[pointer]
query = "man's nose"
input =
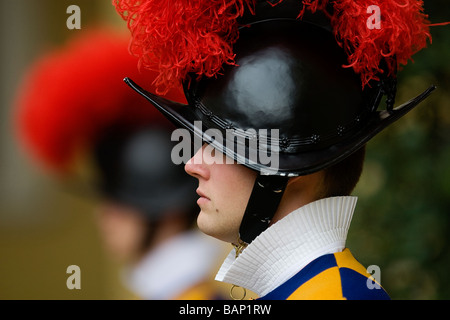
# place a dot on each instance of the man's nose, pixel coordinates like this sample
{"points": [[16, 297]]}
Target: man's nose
{"points": [[196, 165]]}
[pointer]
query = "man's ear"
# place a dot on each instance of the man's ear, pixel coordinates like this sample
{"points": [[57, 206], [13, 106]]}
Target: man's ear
{"points": [[312, 184], [300, 191], [293, 180]]}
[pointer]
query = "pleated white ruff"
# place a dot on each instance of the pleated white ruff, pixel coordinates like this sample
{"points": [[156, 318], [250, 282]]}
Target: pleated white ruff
{"points": [[287, 246]]}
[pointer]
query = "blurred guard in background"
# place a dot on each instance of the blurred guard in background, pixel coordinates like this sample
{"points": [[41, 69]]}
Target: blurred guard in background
{"points": [[73, 109]]}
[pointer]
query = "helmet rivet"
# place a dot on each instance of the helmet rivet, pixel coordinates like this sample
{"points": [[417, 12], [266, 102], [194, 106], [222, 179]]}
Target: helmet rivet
{"points": [[284, 143], [315, 138], [229, 126]]}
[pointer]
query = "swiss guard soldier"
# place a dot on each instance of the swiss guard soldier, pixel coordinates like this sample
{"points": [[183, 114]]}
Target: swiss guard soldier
{"points": [[285, 95], [74, 111]]}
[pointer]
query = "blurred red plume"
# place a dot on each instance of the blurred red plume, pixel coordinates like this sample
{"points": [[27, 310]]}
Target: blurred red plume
{"points": [[71, 95]]}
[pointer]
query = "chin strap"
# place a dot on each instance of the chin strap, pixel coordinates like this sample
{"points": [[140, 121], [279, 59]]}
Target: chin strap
{"points": [[262, 205]]}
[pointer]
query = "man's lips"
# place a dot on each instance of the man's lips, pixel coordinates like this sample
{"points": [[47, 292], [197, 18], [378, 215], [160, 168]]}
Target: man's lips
{"points": [[203, 198], [201, 194]]}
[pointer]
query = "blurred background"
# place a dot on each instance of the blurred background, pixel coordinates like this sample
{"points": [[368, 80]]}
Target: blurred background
{"points": [[402, 220], [401, 224], [44, 228]]}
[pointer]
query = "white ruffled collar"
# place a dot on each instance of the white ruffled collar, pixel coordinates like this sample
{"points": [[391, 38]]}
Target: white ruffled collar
{"points": [[288, 245]]}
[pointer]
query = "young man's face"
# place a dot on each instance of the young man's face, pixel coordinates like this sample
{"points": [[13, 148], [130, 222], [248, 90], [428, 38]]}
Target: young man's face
{"points": [[224, 189]]}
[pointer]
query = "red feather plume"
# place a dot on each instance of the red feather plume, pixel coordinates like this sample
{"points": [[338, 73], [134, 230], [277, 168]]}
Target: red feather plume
{"points": [[403, 31], [71, 95], [181, 36]]}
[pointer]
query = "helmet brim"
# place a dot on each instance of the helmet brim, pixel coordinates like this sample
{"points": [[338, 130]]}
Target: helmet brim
{"points": [[287, 164]]}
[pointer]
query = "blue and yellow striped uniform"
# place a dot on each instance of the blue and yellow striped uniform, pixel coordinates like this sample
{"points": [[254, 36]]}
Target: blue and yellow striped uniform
{"points": [[337, 276]]}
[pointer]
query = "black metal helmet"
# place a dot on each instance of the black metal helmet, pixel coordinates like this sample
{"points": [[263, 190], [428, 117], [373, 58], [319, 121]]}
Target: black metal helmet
{"points": [[288, 76]]}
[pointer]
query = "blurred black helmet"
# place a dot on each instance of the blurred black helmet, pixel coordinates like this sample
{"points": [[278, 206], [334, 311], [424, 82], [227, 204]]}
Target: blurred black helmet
{"points": [[136, 169]]}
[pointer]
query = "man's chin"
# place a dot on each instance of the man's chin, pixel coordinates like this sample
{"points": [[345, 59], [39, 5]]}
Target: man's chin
{"points": [[209, 229]]}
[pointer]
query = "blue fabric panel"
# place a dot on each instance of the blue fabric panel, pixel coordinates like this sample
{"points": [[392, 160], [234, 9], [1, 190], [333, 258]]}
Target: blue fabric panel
{"points": [[307, 273], [354, 287]]}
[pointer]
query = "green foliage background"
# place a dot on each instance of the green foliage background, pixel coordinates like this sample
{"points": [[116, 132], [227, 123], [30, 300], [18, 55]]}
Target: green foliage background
{"points": [[402, 221]]}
